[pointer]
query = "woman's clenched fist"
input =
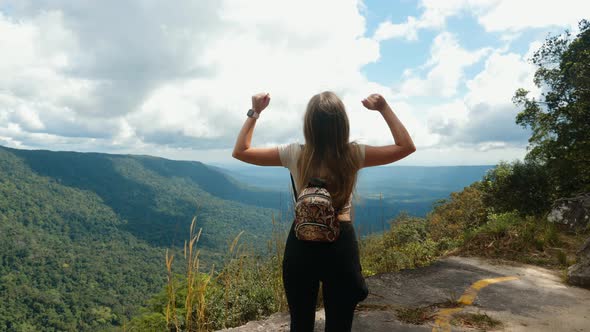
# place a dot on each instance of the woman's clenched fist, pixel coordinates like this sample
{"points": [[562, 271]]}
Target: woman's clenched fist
{"points": [[260, 101], [375, 102]]}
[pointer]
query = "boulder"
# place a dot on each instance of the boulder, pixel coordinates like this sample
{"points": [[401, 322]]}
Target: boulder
{"points": [[579, 273], [573, 212]]}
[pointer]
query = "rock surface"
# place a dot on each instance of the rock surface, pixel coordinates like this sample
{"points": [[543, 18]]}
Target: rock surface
{"points": [[537, 301], [579, 273], [571, 211]]}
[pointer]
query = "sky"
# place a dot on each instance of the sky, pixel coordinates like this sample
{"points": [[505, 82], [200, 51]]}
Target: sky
{"points": [[174, 78]]}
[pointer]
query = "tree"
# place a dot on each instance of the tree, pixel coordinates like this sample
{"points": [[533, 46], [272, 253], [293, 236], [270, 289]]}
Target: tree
{"points": [[521, 186], [560, 119]]}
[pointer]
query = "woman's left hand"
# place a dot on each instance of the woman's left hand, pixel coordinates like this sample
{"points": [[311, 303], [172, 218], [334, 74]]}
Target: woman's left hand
{"points": [[260, 101]]}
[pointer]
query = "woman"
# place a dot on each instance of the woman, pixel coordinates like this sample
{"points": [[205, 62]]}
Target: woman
{"points": [[329, 155]]}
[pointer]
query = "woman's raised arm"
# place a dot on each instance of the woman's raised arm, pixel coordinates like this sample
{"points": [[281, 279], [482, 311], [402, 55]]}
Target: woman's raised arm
{"points": [[404, 146], [243, 151]]}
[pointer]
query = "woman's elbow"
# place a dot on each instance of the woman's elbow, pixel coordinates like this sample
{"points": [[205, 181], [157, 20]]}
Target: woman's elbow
{"points": [[237, 155], [409, 150]]}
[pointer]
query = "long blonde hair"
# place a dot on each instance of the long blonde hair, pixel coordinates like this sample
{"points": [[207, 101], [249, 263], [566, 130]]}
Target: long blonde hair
{"points": [[326, 130]]}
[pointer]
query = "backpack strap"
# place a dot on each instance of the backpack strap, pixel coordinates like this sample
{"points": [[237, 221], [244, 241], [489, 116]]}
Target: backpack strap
{"points": [[293, 182], [336, 211], [294, 189]]}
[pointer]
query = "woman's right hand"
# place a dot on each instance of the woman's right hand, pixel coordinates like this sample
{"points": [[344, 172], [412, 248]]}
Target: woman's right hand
{"points": [[375, 102]]}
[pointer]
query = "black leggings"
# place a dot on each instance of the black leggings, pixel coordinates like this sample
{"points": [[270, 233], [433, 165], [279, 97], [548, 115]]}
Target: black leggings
{"points": [[337, 265]]}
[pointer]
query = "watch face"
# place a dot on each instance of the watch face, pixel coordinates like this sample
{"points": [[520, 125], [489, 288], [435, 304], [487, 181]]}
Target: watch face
{"points": [[251, 113]]}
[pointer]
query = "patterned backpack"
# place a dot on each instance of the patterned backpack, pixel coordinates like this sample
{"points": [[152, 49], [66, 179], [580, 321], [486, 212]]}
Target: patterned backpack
{"points": [[315, 217]]}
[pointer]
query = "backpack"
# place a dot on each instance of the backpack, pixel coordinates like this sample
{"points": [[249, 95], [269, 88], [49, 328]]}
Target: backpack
{"points": [[315, 217]]}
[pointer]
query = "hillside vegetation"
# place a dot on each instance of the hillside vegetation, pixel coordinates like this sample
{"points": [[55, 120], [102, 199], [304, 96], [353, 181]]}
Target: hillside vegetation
{"points": [[64, 263], [156, 198], [83, 235]]}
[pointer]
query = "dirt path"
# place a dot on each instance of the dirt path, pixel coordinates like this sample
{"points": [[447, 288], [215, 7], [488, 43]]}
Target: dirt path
{"points": [[521, 297]]}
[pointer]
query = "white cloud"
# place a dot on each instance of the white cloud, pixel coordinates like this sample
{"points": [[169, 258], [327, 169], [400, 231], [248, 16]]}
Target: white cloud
{"points": [[448, 118], [446, 66], [109, 74], [503, 74], [389, 30], [147, 77], [484, 117], [28, 119], [434, 16], [458, 154], [494, 15], [526, 14]]}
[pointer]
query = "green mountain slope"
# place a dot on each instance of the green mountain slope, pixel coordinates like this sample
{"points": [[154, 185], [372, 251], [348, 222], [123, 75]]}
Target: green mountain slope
{"points": [[82, 235], [64, 263], [157, 197]]}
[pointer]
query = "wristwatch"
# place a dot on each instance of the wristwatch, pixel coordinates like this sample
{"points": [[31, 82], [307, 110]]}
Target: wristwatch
{"points": [[253, 114]]}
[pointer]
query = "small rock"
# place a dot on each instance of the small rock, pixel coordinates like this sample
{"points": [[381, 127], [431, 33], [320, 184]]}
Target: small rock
{"points": [[571, 211], [579, 274]]}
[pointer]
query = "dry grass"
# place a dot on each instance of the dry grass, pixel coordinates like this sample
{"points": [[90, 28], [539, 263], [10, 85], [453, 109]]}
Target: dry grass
{"points": [[423, 314], [213, 299], [475, 320], [196, 287], [171, 317], [416, 316]]}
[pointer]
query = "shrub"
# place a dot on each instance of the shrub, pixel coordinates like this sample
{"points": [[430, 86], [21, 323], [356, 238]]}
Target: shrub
{"points": [[405, 245], [509, 235], [464, 210]]}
